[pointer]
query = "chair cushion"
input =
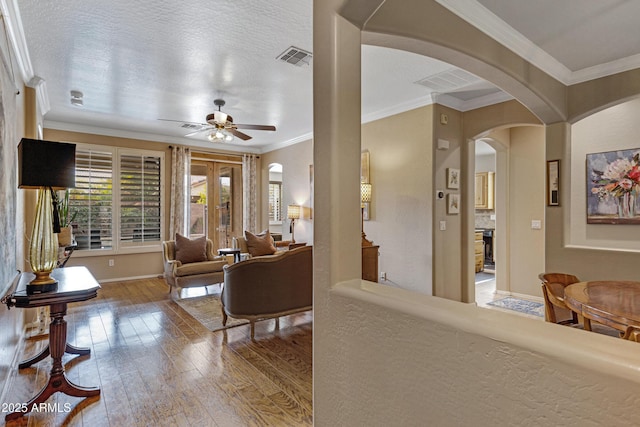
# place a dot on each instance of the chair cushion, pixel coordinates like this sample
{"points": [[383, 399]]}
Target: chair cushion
{"points": [[191, 250], [260, 244], [200, 268]]}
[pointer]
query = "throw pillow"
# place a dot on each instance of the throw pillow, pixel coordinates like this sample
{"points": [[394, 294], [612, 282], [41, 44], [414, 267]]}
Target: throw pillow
{"points": [[259, 244], [191, 250]]}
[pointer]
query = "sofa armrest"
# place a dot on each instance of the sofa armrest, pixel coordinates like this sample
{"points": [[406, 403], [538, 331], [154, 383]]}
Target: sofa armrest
{"points": [[171, 266]]}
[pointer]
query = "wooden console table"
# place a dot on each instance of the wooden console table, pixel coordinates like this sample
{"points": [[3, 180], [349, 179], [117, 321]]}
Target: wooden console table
{"points": [[370, 263], [74, 284]]}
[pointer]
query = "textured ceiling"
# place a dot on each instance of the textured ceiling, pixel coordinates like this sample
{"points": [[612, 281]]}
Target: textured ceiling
{"points": [[140, 61]]}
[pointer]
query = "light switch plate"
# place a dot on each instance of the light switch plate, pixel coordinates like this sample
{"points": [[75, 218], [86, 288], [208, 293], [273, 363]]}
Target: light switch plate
{"points": [[536, 224], [443, 225]]}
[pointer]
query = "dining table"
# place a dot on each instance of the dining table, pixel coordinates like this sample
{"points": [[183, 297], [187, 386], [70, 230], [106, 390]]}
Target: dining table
{"points": [[615, 303]]}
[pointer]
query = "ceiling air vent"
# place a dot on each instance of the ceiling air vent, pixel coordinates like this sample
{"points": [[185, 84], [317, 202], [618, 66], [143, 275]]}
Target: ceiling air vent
{"points": [[448, 80], [296, 56], [191, 126]]}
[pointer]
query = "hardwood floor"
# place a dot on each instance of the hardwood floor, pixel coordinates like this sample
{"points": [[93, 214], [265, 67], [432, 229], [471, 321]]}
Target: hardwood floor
{"points": [[156, 365]]}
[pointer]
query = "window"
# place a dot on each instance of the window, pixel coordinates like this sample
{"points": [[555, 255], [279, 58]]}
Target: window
{"points": [[140, 207], [92, 199], [275, 201], [118, 203]]}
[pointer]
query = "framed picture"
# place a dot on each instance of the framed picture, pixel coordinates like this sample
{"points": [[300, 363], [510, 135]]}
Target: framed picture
{"points": [[453, 204], [613, 185], [453, 178], [553, 183], [364, 177]]}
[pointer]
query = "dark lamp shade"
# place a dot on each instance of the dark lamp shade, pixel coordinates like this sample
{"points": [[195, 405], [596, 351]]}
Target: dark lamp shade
{"points": [[46, 164]]}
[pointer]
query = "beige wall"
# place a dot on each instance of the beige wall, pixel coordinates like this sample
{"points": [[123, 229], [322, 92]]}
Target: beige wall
{"points": [[296, 187], [448, 263], [494, 124], [592, 252], [526, 203], [466, 360], [400, 170], [125, 265], [616, 128], [404, 359], [401, 161]]}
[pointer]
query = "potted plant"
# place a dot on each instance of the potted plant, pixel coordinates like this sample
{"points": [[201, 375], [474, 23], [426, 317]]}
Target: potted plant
{"points": [[65, 238]]}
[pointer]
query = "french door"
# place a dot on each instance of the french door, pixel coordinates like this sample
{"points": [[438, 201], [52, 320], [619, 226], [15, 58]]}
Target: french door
{"points": [[216, 201]]}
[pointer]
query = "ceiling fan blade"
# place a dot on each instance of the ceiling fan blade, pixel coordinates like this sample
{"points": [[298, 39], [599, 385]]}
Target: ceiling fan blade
{"points": [[255, 127], [242, 136], [182, 121], [208, 128]]}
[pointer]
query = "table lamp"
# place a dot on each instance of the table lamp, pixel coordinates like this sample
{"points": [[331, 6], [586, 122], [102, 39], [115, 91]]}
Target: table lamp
{"points": [[365, 197], [46, 166], [293, 213]]}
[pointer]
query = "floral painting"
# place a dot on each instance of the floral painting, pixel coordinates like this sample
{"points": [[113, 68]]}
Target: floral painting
{"points": [[613, 185]]}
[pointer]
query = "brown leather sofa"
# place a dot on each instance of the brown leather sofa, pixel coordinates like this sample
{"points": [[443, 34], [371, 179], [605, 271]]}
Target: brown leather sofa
{"points": [[268, 286]]}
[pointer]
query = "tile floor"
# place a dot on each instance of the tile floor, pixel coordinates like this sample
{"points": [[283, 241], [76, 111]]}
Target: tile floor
{"points": [[485, 293]]}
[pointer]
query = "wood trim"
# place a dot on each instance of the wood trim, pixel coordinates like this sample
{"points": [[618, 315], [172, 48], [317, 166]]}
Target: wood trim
{"points": [[218, 157]]}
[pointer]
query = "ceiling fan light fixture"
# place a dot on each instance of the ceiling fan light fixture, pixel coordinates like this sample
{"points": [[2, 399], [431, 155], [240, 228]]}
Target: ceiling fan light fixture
{"points": [[220, 117], [220, 135]]}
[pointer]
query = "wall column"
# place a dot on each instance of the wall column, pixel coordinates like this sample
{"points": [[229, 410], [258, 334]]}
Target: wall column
{"points": [[336, 159]]}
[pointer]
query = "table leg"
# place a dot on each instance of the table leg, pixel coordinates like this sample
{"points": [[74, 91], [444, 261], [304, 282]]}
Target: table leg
{"points": [[70, 349], [58, 381]]}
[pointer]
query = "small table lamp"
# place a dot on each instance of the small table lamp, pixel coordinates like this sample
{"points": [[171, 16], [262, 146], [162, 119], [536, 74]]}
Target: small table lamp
{"points": [[46, 166], [293, 213], [365, 197]]}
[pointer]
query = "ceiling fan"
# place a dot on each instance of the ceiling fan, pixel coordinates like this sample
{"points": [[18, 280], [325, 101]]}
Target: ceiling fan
{"points": [[220, 126]]}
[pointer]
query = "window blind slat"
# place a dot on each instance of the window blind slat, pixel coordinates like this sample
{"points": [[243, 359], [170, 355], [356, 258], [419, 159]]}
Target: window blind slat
{"points": [[140, 198], [140, 201], [92, 199]]}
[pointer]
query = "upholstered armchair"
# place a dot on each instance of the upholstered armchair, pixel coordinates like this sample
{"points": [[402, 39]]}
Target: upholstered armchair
{"points": [[270, 286], [180, 274], [249, 249]]}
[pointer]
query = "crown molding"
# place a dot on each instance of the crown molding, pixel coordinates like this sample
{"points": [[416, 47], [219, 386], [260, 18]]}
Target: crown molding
{"points": [[607, 69], [118, 133], [484, 20], [487, 22], [293, 141], [42, 94], [13, 25], [397, 109], [18, 46]]}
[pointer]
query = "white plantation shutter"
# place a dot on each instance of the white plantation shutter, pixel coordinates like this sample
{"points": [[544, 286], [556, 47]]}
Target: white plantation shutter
{"points": [[140, 199], [275, 197], [92, 199], [118, 198]]}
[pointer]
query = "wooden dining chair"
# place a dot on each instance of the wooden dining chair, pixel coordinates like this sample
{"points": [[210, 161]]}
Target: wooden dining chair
{"points": [[553, 285], [632, 334]]}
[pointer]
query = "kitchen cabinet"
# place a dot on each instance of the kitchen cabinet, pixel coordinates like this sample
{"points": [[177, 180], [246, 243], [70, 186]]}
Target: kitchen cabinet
{"points": [[485, 190], [479, 251]]}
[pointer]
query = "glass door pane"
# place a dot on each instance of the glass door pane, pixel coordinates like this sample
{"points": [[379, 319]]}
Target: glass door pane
{"points": [[198, 221], [225, 206]]}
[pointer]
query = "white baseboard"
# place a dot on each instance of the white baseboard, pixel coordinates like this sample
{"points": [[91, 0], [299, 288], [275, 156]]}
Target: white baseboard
{"points": [[122, 279]]}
